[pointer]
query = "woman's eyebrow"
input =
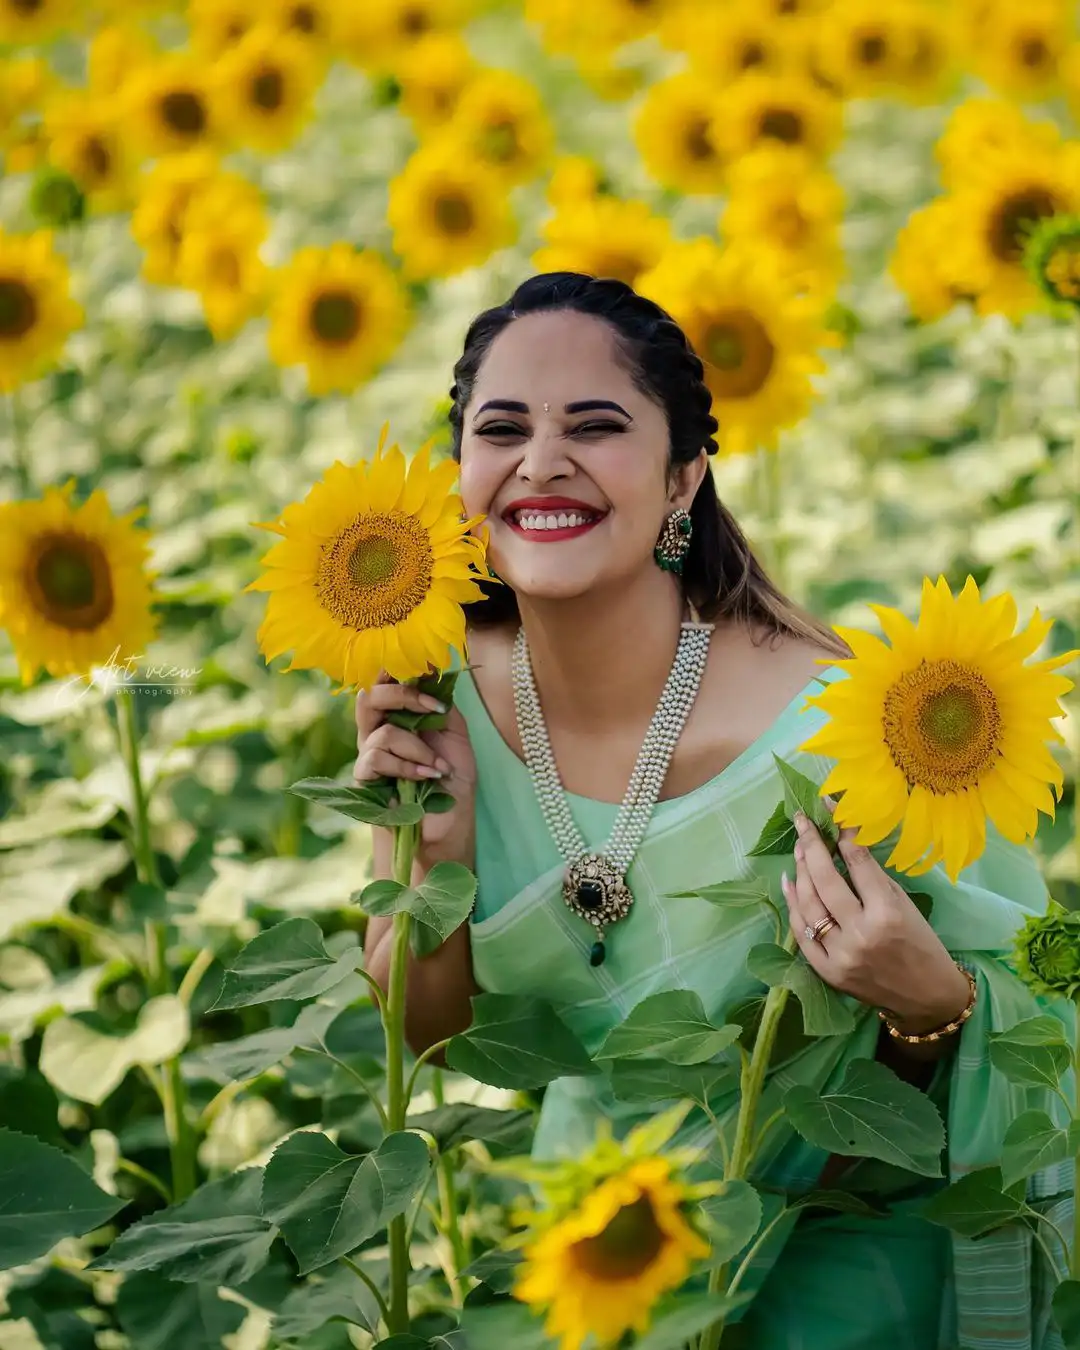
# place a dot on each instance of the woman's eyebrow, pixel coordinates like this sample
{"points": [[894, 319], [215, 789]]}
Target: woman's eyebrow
{"points": [[584, 405], [503, 405]]}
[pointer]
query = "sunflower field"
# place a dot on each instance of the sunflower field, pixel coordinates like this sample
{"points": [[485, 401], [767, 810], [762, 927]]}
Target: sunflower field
{"points": [[238, 240]]}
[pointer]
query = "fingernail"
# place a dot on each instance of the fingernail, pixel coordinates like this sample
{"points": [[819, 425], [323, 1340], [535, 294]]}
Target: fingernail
{"points": [[798, 852], [442, 766], [426, 771], [801, 822], [785, 883], [432, 704]]}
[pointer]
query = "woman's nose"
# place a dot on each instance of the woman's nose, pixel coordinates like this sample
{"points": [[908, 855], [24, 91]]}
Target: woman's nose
{"points": [[544, 457]]}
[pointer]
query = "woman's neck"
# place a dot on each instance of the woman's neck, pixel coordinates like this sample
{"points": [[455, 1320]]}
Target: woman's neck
{"points": [[602, 660]]}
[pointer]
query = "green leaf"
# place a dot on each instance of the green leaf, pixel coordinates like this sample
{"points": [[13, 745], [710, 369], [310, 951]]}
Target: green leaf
{"points": [[373, 803], [778, 834], [658, 1080], [517, 1042], [976, 1204], [670, 1025], [289, 960], [83, 1063], [801, 794], [404, 1341], [157, 1314], [44, 1196], [685, 1316], [1034, 1053], [337, 1296], [507, 1325], [504, 1132], [734, 1217], [1032, 1142], [1066, 1305], [442, 902], [839, 1201], [248, 1056], [737, 894], [496, 1268], [328, 1202], [824, 1011], [214, 1237], [871, 1114], [441, 687]]}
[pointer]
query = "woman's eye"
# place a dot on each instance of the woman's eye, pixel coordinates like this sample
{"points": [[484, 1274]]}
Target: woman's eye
{"points": [[501, 429], [600, 426]]}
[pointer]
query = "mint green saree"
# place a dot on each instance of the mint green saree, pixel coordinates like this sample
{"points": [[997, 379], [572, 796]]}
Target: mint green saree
{"points": [[834, 1282]]}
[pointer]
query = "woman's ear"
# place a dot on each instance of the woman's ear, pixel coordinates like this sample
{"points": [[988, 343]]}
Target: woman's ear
{"points": [[686, 479]]}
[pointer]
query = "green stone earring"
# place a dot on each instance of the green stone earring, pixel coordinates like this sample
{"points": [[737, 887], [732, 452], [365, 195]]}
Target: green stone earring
{"points": [[674, 542]]}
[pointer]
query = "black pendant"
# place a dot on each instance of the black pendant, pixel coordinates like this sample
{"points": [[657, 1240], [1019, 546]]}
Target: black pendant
{"points": [[597, 952], [590, 895]]}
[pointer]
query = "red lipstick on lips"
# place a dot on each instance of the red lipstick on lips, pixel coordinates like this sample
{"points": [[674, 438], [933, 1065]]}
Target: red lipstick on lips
{"points": [[546, 506]]}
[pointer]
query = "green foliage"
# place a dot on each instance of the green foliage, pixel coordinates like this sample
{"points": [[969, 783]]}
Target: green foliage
{"points": [[671, 1026], [439, 905], [1034, 1053], [517, 1042], [288, 961], [977, 1203], [824, 1011]]}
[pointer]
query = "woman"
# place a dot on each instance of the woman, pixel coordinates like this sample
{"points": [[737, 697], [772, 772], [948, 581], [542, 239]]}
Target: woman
{"points": [[582, 423]]}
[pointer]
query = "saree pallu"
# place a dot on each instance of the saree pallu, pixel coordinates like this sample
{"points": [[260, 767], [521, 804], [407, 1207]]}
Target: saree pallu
{"points": [[838, 1282]]}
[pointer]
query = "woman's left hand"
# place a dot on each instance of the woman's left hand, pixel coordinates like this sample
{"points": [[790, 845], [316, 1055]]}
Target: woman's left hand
{"points": [[881, 951]]}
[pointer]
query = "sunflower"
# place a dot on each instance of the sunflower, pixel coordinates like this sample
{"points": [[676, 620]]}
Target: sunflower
{"points": [[219, 258], [676, 133], [114, 54], [74, 590], [339, 312], [979, 129], [1052, 256], [997, 210], [1019, 49], [922, 264], [27, 21], [789, 108], [218, 25], [574, 178], [169, 105], [943, 728], [928, 65], [164, 195], [37, 312], [600, 1270], [501, 122], [371, 571], [780, 198], [26, 88], [603, 237], [862, 48], [447, 212], [268, 86], [316, 21], [758, 341], [433, 74], [86, 140], [377, 37], [722, 43]]}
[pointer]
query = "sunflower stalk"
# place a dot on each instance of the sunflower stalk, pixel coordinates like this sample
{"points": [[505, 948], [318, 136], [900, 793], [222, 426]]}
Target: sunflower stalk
{"points": [[174, 1093], [746, 1136], [449, 1219], [406, 838]]}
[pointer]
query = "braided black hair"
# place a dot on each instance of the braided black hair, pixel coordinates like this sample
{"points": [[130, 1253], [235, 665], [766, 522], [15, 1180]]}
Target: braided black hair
{"points": [[721, 573]]}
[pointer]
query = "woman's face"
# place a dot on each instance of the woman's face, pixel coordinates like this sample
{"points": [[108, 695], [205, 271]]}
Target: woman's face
{"points": [[574, 493]]}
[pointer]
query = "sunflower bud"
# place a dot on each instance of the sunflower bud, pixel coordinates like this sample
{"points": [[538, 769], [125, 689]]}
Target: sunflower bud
{"points": [[1052, 256], [56, 199], [1048, 952]]}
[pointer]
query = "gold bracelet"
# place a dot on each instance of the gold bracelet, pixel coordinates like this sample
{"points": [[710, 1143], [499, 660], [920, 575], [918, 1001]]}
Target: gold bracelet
{"points": [[928, 1037]]}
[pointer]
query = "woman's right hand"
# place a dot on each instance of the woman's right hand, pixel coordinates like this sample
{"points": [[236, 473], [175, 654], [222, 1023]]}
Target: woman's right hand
{"points": [[387, 751]]}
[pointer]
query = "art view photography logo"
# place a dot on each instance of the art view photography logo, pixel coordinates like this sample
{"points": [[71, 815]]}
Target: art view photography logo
{"points": [[128, 672]]}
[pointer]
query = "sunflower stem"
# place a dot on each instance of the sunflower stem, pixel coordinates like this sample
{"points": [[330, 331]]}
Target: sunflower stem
{"points": [[19, 447], [174, 1094], [448, 1206], [742, 1152], [406, 838]]}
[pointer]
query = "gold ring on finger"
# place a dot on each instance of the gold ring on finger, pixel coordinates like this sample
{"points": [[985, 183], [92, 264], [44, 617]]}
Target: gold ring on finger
{"points": [[815, 932]]}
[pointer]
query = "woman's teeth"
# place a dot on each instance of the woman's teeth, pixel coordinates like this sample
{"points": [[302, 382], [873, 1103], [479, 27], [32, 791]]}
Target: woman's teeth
{"points": [[550, 520]]}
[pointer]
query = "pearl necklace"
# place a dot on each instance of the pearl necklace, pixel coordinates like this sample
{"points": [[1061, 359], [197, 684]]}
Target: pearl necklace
{"points": [[594, 886]]}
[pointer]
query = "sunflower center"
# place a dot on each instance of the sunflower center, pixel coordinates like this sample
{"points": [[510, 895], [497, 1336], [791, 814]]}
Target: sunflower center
{"points": [[1014, 218], [871, 49], [96, 158], [752, 54], [781, 124], [740, 352], [622, 266], [499, 142], [304, 19], [942, 726], [18, 309], [224, 268], [28, 7], [1035, 53], [184, 111], [70, 582], [696, 140], [626, 1248], [789, 224], [268, 89], [414, 21], [376, 572], [454, 213], [335, 317]]}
